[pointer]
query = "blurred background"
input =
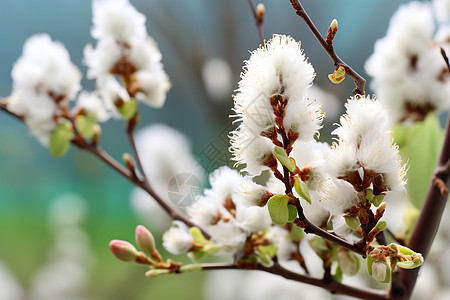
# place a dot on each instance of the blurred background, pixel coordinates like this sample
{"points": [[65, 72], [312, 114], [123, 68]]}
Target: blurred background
{"points": [[67, 209]]}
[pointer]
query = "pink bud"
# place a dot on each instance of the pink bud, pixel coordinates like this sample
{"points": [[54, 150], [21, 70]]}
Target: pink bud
{"points": [[123, 250], [145, 240]]}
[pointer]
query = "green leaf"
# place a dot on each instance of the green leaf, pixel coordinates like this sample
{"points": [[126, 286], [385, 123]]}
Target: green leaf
{"points": [[408, 264], [197, 235], [297, 233], [420, 145], [319, 246], [269, 250], [338, 275], [86, 125], [302, 190], [278, 209], [352, 222], [338, 76], [128, 109], [377, 200], [211, 248], [283, 158], [292, 213], [60, 138]]}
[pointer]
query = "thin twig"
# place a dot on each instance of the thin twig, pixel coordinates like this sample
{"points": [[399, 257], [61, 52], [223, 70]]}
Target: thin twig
{"points": [[258, 22], [130, 133], [328, 47], [333, 287], [172, 210], [95, 149]]}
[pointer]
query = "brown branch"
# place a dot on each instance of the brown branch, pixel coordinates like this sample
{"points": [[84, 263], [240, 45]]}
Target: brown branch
{"points": [[428, 222], [95, 149], [333, 286], [169, 208], [329, 49], [258, 21], [131, 125]]}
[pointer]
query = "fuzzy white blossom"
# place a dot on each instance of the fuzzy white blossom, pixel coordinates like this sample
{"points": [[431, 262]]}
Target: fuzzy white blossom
{"points": [[273, 85], [178, 239], [338, 196], [406, 66], [253, 194], [92, 103], [365, 146], [224, 213], [125, 49], [44, 80], [250, 150]]}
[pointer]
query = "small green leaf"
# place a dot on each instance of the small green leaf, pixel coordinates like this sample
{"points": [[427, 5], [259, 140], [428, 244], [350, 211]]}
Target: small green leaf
{"points": [[338, 275], [269, 250], [408, 264], [292, 213], [128, 109], [86, 125], [211, 248], [297, 233], [302, 190], [319, 246], [278, 209], [381, 225], [352, 222], [60, 138], [338, 76], [369, 195], [264, 259], [283, 158], [197, 235], [377, 200], [404, 250]]}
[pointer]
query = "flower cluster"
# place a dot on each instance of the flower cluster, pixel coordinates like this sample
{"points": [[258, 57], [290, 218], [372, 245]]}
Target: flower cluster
{"points": [[126, 64], [408, 71], [125, 49], [271, 103], [44, 80]]}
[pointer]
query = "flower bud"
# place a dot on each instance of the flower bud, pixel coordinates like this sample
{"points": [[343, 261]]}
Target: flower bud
{"points": [[332, 30], [145, 240], [260, 12], [123, 250], [380, 271]]}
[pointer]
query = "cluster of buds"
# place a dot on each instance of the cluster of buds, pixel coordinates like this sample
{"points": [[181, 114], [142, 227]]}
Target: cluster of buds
{"points": [[382, 260], [149, 255]]}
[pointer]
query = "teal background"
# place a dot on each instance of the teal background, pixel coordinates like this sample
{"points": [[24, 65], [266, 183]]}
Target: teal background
{"points": [[188, 32]]}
